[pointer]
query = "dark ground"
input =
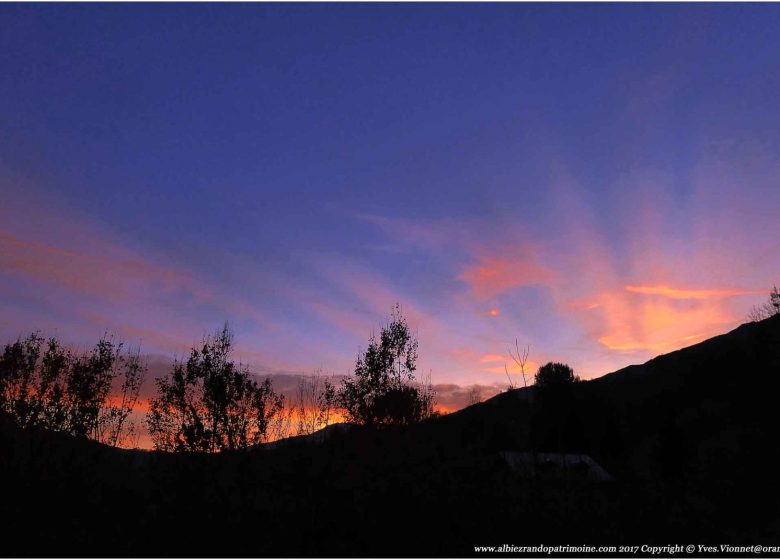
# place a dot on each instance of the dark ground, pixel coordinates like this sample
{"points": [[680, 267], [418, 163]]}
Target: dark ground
{"points": [[691, 439]]}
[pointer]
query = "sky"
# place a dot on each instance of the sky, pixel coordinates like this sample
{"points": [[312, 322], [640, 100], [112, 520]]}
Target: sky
{"points": [[600, 182]]}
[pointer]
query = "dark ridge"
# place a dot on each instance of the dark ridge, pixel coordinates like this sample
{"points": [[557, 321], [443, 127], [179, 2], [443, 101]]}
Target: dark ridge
{"points": [[688, 440]]}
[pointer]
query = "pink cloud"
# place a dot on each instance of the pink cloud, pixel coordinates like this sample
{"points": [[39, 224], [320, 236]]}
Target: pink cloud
{"points": [[493, 276]]}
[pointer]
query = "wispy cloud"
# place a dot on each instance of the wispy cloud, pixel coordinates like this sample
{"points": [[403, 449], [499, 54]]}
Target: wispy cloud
{"points": [[493, 276], [73, 267], [113, 274], [677, 293]]}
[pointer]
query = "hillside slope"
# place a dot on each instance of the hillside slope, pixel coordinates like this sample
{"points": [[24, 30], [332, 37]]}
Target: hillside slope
{"points": [[689, 438]]}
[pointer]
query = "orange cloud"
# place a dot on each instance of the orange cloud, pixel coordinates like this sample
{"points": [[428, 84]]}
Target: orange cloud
{"points": [[659, 318], [494, 276], [675, 293], [627, 322]]}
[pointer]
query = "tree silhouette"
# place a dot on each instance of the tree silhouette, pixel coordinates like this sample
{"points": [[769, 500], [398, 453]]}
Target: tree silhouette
{"points": [[474, 395], [556, 425], [209, 403], [768, 308], [554, 375], [520, 358], [44, 385], [383, 389], [313, 407]]}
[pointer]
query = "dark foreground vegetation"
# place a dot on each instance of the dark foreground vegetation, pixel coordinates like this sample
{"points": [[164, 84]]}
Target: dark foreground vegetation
{"points": [[689, 438]]}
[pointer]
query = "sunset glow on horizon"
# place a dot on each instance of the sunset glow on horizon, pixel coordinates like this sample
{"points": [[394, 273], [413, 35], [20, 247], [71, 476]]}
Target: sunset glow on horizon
{"points": [[603, 197]]}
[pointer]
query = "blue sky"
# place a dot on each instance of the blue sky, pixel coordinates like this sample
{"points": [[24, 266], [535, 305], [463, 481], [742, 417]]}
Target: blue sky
{"points": [[599, 181]]}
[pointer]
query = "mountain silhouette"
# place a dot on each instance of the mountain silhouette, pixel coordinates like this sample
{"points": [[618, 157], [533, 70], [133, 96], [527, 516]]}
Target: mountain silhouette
{"points": [[688, 440]]}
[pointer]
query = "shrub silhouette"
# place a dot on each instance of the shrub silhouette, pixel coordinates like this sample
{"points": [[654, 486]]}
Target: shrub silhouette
{"points": [[554, 375], [557, 425], [210, 403], [44, 385], [383, 389]]}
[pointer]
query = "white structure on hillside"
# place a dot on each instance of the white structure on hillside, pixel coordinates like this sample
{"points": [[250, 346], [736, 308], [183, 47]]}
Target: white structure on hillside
{"points": [[572, 466]]}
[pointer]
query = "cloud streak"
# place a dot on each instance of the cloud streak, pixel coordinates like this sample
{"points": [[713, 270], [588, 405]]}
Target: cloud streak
{"points": [[494, 276], [676, 293]]}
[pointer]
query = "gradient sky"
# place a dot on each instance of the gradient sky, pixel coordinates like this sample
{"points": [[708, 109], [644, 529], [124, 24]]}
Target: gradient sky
{"points": [[599, 181]]}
